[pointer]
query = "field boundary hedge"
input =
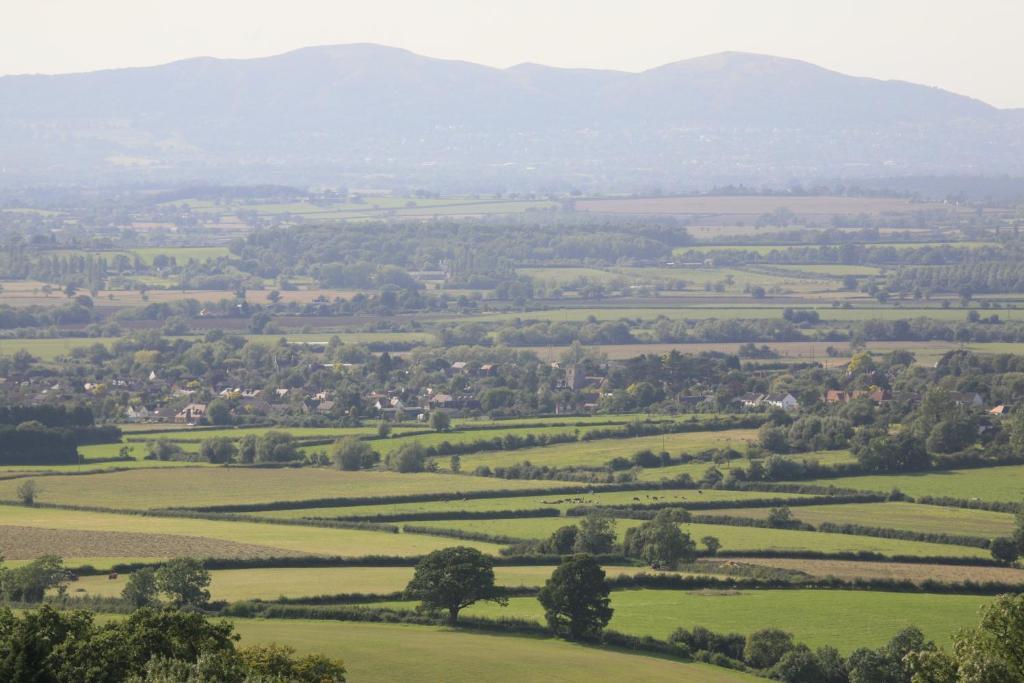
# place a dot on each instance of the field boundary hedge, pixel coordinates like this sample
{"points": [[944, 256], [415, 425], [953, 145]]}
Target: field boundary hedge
{"points": [[462, 534], [453, 496], [449, 515]]}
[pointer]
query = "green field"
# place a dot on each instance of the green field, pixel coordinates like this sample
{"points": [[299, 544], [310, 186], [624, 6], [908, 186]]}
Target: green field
{"points": [[149, 536], [270, 584], [697, 469], [733, 538], [560, 502], [181, 254], [398, 652], [830, 269], [1001, 484], [599, 452], [922, 518], [868, 619], [189, 487]]}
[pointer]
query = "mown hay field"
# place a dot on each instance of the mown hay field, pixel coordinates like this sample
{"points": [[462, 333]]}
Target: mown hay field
{"points": [[270, 584], [845, 620], [275, 538], [913, 517], [144, 489], [899, 571], [999, 484], [398, 652], [559, 502], [599, 452], [733, 538]]}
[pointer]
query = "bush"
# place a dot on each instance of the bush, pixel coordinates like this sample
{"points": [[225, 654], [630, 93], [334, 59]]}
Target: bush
{"points": [[660, 543], [409, 457], [1004, 550], [766, 647], [276, 446], [352, 454], [219, 450]]}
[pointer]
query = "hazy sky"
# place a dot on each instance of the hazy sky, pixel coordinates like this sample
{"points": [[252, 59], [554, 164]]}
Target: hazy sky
{"points": [[973, 48]]}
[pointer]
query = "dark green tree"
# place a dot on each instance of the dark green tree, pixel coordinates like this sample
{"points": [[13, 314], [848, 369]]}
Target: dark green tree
{"points": [[141, 589], [575, 598], [219, 450], [596, 534], [1004, 550], [453, 579], [351, 453], [184, 581], [440, 421], [766, 647], [660, 543]]}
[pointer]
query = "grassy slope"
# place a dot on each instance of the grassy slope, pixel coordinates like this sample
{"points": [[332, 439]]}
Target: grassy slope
{"points": [[923, 518], [844, 619], [185, 487], [269, 584], [990, 483], [596, 453], [732, 537], [311, 540], [558, 502], [394, 652]]}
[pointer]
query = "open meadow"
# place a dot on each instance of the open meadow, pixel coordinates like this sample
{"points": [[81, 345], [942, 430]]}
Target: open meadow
{"points": [[997, 484], [931, 519], [146, 489], [599, 452], [734, 539], [441, 654], [75, 534], [869, 619]]}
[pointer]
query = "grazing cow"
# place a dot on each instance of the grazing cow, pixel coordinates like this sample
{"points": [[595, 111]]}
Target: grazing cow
{"points": [[112, 576]]}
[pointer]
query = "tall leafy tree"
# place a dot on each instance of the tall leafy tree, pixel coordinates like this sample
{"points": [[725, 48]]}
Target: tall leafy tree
{"points": [[575, 598], [453, 579]]}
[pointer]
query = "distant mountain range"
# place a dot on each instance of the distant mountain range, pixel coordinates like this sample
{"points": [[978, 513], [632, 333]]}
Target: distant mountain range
{"points": [[367, 115]]}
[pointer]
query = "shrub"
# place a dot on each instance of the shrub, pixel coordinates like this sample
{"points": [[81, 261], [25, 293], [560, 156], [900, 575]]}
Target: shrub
{"points": [[351, 453]]}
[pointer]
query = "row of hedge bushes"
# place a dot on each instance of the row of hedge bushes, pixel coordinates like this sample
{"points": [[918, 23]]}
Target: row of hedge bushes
{"points": [[461, 534], [442, 515], [454, 496]]}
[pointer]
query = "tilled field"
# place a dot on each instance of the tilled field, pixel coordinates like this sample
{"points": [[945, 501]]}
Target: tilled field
{"points": [[27, 543]]}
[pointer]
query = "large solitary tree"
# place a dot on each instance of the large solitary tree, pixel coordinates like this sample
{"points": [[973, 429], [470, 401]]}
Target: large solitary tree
{"points": [[660, 542], [575, 598], [453, 579]]}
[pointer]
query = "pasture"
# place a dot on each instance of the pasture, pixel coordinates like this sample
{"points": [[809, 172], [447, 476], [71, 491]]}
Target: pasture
{"points": [[269, 584], [733, 538], [144, 489], [999, 484], [66, 532], [910, 516], [897, 571], [597, 453], [696, 470], [559, 502], [754, 206], [868, 619], [429, 653]]}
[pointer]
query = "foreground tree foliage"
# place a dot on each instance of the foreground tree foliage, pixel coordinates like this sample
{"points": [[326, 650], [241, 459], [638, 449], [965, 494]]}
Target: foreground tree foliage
{"points": [[29, 582], [575, 599], [453, 579], [149, 646], [991, 653]]}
